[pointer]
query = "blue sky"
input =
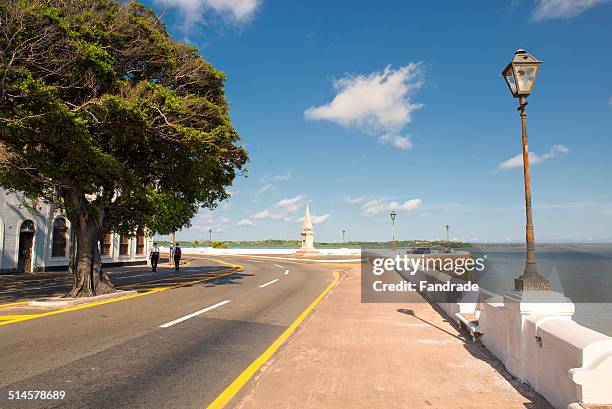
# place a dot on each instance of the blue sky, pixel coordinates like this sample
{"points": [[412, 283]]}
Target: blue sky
{"points": [[360, 107]]}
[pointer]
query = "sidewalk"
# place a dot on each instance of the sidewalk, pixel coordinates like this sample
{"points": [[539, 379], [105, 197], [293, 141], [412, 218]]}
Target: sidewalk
{"points": [[354, 355], [39, 276], [33, 277]]}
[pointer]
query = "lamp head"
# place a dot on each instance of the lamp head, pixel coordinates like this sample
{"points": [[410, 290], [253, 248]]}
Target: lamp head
{"points": [[520, 73]]}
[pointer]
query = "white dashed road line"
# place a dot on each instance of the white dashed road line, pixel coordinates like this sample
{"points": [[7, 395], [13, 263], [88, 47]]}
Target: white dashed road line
{"points": [[194, 314], [286, 272], [268, 283], [281, 267]]}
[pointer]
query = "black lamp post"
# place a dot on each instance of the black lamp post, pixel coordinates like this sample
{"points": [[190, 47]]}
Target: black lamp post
{"points": [[393, 214]]}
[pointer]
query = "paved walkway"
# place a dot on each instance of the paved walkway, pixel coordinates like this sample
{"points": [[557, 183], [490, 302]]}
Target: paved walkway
{"points": [[354, 355]]}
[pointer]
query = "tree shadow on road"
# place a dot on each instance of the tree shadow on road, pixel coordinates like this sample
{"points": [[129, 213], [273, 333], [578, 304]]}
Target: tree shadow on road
{"points": [[190, 280], [19, 290], [227, 280]]}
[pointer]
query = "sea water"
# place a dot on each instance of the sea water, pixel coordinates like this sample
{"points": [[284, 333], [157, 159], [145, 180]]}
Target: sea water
{"points": [[583, 272]]}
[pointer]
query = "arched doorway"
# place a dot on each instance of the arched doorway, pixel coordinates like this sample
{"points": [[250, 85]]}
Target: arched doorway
{"points": [[26, 246]]}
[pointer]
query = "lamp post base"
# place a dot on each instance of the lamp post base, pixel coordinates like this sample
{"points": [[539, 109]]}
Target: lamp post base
{"points": [[531, 283]]}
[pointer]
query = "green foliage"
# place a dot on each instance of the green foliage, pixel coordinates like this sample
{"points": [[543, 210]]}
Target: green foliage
{"points": [[103, 114], [218, 245]]}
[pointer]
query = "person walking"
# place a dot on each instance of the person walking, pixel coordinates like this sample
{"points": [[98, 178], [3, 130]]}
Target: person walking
{"points": [[154, 257], [177, 256]]}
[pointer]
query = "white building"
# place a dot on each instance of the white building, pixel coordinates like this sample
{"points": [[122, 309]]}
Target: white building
{"points": [[38, 239]]}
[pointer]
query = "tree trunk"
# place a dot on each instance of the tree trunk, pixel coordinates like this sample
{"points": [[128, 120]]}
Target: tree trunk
{"points": [[73, 246], [89, 279]]}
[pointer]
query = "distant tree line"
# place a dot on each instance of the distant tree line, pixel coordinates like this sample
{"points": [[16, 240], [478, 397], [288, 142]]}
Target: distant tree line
{"points": [[271, 243]]}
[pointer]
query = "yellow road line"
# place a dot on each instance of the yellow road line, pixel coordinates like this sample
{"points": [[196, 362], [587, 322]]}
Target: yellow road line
{"points": [[194, 282], [229, 392], [127, 297], [13, 303], [11, 317], [226, 263]]}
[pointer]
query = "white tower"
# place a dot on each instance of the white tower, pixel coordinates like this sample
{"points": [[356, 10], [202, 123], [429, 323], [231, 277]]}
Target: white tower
{"points": [[307, 233]]}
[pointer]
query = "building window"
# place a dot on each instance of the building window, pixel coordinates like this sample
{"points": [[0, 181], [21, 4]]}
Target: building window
{"points": [[124, 246], [107, 242], [27, 227], [60, 240], [26, 247], [140, 242]]}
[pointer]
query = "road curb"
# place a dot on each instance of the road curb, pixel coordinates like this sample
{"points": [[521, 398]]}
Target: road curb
{"points": [[72, 302], [230, 391]]}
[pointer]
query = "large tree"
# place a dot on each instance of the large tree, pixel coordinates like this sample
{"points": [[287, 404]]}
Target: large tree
{"points": [[103, 115]]}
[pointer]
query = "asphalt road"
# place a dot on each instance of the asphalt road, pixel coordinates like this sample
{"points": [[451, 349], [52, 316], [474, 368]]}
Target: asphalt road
{"points": [[178, 348]]}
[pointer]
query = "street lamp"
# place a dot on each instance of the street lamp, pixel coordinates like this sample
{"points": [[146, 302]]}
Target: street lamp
{"points": [[447, 235], [520, 76], [343, 233], [393, 214], [210, 235]]}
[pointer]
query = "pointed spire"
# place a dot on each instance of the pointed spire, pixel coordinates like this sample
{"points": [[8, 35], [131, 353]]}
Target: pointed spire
{"points": [[307, 225]]}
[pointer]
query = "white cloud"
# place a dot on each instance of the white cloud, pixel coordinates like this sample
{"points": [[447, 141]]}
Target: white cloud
{"points": [[246, 223], [407, 206], [282, 178], [377, 206], [400, 142], [354, 200], [269, 183], [282, 210], [235, 11], [206, 220], [534, 159], [264, 189], [373, 207], [380, 103], [204, 217], [316, 219], [553, 9]]}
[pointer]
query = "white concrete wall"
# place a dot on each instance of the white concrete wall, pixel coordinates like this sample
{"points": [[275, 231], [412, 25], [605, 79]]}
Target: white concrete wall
{"points": [[260, 251], [555, 348], [559, 347], [493, 323], [564, 361]]}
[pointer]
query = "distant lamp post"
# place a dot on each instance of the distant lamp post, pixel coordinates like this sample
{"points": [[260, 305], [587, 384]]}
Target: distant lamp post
{"points": [[520, 76], [447, 234], [393, 214], [210, 235], [343, 233]]}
